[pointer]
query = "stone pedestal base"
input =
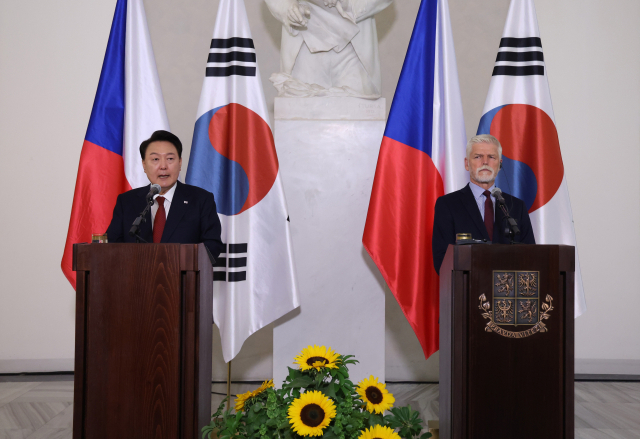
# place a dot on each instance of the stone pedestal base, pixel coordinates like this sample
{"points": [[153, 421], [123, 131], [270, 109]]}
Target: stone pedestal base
{"points": [[328, 150]]}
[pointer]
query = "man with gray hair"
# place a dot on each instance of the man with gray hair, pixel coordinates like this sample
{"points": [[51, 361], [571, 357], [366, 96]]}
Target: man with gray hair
{"points": [[472, 209]]}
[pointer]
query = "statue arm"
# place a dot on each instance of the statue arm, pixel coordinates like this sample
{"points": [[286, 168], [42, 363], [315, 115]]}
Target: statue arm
{"points": [[364, 9], [290, 13]]}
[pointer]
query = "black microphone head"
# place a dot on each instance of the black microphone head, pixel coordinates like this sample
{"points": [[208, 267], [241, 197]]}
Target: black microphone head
{"points": [[496, 191], [154, 190]]}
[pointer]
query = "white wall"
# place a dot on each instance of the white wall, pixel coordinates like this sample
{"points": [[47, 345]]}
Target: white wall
{"points": [[592, 52], [50, 59]]}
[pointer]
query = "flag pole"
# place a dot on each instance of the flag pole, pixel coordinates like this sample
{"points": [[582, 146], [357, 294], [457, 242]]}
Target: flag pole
{"points": [[228, 385]]}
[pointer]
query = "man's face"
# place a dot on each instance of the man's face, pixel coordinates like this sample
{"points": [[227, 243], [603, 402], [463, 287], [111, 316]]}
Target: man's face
{"points": [[162, 164], [483, 163]]}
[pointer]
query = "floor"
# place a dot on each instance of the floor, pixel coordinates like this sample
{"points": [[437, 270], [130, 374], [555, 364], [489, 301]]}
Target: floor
{"points": [[44, 409]]}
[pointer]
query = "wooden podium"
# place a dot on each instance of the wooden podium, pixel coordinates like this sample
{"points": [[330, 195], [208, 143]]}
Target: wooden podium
{"points": [[507, 342], [143, 341]]}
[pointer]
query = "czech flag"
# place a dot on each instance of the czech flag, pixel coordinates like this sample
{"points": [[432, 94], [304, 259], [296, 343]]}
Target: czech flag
{"points": [[421, 158], [518, 112], [233, 155], [127, 109]]}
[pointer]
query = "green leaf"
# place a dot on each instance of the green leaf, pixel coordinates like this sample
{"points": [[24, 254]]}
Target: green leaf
{"points": [[294, 373], [330, 391], [206, 431], [426, 436], [303, 381], [344, 371], [256, 407], [375, 419], [329, 434]]}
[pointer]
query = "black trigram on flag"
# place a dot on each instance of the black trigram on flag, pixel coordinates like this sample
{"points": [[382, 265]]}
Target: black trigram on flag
{"points": [[231, 266], [231, 56], [519, 57]]}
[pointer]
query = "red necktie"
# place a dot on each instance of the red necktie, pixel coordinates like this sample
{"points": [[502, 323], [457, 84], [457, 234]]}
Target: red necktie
{"points": [[488, 215], [161, 218]]}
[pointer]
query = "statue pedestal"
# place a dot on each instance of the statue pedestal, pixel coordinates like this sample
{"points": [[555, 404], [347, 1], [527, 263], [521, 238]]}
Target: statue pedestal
{"points": [[328, 150]]}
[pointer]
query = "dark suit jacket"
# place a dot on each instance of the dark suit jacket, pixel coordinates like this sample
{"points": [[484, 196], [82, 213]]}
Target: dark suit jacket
{"points": [[192, 218], [458, 212]]}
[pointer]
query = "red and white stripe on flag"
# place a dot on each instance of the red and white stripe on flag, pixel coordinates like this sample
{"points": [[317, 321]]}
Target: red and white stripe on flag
{"points": [[421, 158], [127, 109]]}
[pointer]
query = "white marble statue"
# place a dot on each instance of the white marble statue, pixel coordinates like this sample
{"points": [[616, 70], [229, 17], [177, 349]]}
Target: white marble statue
{"points": [[329, 47]]}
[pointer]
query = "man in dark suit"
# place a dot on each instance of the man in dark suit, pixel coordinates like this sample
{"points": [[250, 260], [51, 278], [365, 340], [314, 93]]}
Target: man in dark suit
{"points": [[180, 214], [472, 209]]}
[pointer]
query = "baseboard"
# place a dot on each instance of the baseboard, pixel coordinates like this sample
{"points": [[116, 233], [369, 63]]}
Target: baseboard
{"points": [[583, 366], [586, 366], [40, 365]]}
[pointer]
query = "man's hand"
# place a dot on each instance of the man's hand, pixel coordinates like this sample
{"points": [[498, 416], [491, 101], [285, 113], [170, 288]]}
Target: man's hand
{"points": [[298, 14]]}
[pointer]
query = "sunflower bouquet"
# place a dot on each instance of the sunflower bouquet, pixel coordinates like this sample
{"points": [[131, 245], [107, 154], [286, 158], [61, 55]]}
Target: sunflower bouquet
{"points": [[317, 399]]}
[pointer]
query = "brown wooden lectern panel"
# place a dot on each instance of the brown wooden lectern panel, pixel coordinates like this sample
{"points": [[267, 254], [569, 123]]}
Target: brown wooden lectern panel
{"points": [[506, 342], [143, 340]]}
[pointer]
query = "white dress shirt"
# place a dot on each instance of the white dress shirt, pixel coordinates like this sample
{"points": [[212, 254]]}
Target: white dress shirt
{"points": [[478, 194], [168, 197]]}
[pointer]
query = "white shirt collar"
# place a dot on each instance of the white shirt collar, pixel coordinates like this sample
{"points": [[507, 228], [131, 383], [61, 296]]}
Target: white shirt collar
{"points": [[169, 195]]}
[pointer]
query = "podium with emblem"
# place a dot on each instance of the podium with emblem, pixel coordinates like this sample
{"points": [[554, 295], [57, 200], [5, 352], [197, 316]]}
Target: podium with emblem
{"points": [[507, 342]]}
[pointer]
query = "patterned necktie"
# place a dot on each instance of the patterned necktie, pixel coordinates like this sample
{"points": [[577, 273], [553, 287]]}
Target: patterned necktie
{"points": [[159, 221], [488, 214]]}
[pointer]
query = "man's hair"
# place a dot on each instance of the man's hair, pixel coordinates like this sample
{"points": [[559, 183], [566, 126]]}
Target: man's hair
{"points": [[484, 138], [161, 136]]}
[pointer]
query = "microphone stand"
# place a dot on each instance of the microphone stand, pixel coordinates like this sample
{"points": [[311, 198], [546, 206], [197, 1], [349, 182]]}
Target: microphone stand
{"points": [[512, 230], [135, 228]]}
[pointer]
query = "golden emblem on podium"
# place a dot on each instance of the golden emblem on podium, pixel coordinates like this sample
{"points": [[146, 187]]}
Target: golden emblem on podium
{"points": [[516, 303]]}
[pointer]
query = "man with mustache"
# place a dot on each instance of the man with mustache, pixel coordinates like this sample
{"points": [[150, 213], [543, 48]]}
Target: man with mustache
{"points": [[472, 209]]}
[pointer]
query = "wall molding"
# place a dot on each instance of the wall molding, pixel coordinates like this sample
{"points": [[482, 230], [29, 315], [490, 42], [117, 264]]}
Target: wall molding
{"points": [[39, 365], [592, 366], [583, 366]]}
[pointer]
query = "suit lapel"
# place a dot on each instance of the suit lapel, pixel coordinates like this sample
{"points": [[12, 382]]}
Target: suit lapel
{"points": [[470, 204], [176, 211]]}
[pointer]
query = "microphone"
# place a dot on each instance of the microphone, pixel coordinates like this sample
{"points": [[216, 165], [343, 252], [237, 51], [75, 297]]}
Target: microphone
{"points": [[155, 190], [497, 194], [135, 227]]}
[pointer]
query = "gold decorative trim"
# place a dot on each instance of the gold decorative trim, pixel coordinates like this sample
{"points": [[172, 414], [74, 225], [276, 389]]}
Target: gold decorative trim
{"points": [[492, 326]]}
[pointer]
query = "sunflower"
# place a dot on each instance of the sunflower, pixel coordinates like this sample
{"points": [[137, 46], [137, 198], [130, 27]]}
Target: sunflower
{"points": [[310, 413], [244, 397], [266, 385], [241, 399], [379, 432], [317, 357], [375, 394]]}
